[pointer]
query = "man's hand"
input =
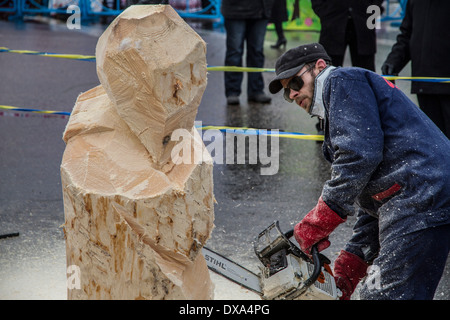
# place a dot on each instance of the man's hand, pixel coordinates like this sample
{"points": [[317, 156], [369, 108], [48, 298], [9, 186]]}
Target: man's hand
{"points": [[316, 226], [349, 269], [387, 69]]}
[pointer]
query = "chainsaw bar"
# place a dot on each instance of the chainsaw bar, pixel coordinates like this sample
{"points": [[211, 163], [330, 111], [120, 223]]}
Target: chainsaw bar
{"points": [[232, 271]]}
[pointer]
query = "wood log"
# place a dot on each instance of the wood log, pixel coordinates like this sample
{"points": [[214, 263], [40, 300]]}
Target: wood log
{"points": [[135, 221]]}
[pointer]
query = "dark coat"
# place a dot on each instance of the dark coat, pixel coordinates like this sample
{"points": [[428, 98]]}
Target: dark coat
{"points": [[246, 9], [386, 155], [279, 11], [334, 15], [424, 40]]}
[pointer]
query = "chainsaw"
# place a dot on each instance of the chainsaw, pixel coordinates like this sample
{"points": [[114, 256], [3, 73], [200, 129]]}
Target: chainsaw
{"points": [[286, 272]]}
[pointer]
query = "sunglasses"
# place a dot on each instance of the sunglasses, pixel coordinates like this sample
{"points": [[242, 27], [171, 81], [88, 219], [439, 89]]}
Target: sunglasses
{"points": [[295, 84]]}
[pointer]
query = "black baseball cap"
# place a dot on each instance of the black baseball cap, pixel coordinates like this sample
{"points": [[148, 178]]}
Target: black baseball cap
{"points": [[293, 60]]}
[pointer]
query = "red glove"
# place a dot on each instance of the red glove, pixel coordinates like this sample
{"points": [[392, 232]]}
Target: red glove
{"points": [[349, 269], [316, 226]]}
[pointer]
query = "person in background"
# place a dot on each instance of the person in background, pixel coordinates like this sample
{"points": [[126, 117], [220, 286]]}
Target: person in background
{"points": [[245, 22], [279, 15], [344, 24], [424, 40]]}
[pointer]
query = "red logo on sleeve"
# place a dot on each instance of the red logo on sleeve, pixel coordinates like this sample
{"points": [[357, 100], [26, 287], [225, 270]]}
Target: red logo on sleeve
{"points": [[390, 83]]}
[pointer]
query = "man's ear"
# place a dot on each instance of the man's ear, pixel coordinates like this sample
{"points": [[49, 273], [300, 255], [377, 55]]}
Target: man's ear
{"points": [[321, 64]]}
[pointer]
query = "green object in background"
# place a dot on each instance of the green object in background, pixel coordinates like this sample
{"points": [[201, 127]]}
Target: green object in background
{"points": [[301, 17]]}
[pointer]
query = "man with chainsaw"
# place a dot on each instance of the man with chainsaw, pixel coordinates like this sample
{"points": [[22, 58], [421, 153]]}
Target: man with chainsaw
{"points": [[390, 166]]}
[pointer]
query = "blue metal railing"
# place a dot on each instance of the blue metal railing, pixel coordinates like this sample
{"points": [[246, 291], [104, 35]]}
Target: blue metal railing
{"points": [[104, 8], [90, 9], [210, 11], [8, 6], [32, 7], [397, 14], [189, 9]]}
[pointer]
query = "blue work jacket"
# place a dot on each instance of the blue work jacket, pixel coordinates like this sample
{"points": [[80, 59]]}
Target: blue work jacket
{"points": [[389, 162]]}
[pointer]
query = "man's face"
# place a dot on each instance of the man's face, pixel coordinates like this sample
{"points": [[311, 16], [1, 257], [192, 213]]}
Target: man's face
{"points": [[304, 96]]}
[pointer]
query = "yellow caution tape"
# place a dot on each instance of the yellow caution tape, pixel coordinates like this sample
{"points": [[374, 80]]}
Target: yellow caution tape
{"points": [[53, 55], [34, 110], [239, 69], [423, 79], [249, 131], [210, 68], [228, 129]]}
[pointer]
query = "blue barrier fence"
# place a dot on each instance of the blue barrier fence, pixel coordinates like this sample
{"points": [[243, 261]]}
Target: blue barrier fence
{"points": [[191, 9], [92, 9], [8, 6], [395, 13]]}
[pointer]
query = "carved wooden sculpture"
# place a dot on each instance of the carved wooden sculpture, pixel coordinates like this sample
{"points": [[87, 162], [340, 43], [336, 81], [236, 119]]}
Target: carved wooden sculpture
{"points": [[135, 220]]}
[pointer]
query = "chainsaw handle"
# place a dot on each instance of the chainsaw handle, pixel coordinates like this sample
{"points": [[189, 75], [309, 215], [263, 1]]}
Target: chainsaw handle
{"points": [[317, 257], [317, 260], [317, 267]]}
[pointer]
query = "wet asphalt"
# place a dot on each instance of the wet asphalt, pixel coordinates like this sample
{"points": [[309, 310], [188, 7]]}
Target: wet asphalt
{"points": [[32, 265]]}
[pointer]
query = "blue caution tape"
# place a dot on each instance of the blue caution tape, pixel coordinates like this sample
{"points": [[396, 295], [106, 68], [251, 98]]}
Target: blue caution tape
{"points": [[35, 110], [227, 129], [421, 79], [52, 55], [92, 58], [209, 68], [253, 131], [238, 69], [30, 115]]}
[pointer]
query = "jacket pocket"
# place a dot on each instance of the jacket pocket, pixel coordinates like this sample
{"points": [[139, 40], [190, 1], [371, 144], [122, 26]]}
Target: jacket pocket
{"points": [[384, 196]]}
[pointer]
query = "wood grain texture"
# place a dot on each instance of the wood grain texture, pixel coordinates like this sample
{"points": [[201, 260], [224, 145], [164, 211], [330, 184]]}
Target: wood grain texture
{"points": [[135, 221]]}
